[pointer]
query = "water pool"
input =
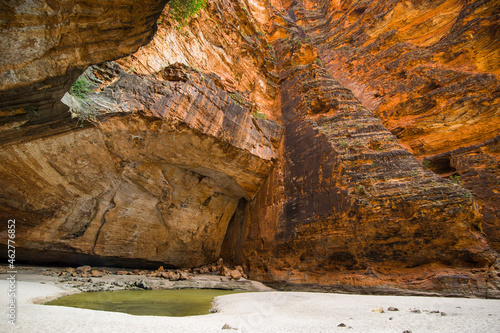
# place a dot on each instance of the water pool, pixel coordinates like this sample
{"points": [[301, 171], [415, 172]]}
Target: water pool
{"points": [[174, 303]]}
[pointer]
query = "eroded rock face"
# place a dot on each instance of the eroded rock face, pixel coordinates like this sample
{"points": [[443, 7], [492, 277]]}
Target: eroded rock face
{"points": [[430, 71], [226, 40], [157, 179], [347, 205], [46, 45]]}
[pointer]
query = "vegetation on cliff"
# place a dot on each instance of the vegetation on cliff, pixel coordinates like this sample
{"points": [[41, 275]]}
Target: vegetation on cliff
{"points": [[182, 10]]}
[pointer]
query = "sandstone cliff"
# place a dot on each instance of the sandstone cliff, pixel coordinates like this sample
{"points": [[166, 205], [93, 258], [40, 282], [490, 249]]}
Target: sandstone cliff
{"points": [[379, 102], [429, 70], [348, 205]]}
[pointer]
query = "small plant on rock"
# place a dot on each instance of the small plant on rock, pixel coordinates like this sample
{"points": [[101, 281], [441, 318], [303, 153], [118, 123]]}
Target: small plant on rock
{"points": [[456, 179], [258, 114], [32, 111], [89, 115], [81, 88], [237, 98], [360, 189], [182, 10]]}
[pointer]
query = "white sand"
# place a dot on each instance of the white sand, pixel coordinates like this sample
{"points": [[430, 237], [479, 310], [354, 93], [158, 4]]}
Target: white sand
{"points": [[261, 312]]}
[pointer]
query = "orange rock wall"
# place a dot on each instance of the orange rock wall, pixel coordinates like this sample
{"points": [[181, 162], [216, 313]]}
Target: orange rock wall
{"points": [[347, 206], [430, 71], [157, 179]]}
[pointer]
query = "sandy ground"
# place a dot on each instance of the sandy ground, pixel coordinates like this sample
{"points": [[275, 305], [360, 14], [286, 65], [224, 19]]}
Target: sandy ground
{"points": [[257, 312]]}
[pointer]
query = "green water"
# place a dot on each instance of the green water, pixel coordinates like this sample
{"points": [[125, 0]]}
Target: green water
{"points": [[175, 303]]}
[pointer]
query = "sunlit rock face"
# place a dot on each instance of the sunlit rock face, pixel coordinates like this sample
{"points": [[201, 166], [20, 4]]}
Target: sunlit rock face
{"points": [[429, 70], [348, 207], [168, 154]]}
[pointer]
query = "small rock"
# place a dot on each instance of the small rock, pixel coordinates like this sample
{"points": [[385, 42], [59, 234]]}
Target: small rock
{"points": [[96, 273], [84, 269], [160, 269], [183, 275], [225, 271], [349, 327], [121, 273], [142, 284], [227, 327], [434, 311], [235, 274], [341, 325], [415, 311], [406, 331], [392, 309], [391, 318], [443, 314], [174, 276], [379, 310]]}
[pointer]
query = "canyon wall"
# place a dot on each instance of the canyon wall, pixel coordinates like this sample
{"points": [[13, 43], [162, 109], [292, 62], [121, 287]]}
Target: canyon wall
{"points": [[347, 205], [310, 141], [429, 70]]}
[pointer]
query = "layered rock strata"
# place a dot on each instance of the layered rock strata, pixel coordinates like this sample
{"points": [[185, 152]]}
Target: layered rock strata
{"points": [[347, 205], [157, 179], [46, 45], [430, 71], [228, 41]]}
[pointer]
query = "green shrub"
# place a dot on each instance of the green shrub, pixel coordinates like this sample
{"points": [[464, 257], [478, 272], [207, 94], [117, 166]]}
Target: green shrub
{"points": [[456, 179], [81, 88], [182, 10], [258, 114], [237, 98]]}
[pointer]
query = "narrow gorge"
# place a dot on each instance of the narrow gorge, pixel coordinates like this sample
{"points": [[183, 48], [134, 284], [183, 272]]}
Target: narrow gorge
{"points": [[331, 145]]}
